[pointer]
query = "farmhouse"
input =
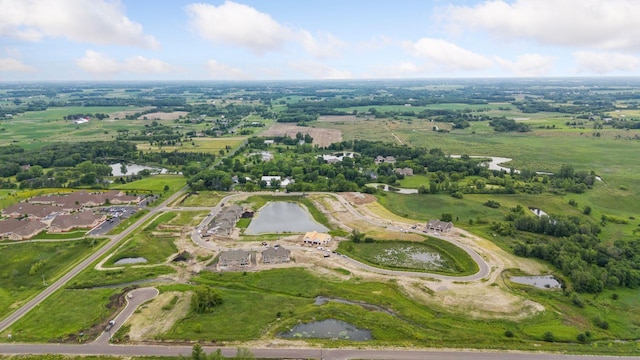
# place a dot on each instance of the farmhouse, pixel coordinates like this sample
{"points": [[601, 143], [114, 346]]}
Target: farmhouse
{"points": [[234, 258], [437, 225], [14, 229], [80, 220], [276, 255], [316, 238]]}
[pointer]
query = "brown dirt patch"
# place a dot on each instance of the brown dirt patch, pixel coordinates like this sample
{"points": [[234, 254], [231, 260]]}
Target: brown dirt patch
{"points": [[164, 115], [321, 137], [336, 118], [122, 114], [156, 317], [358, 198]]}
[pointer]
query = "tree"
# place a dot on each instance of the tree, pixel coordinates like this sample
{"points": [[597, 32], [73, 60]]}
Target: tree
{"points": [[586, 210], [205, 299], [448, 217], [548, 336], [197, 353], [356, 236]]}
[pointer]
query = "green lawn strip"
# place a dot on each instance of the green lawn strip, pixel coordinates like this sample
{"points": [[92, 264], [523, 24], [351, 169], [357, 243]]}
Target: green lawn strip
{"points": [[453, 259], [125, 223], [148, 242], [61, 236], [65, 313], [26, 265], [243, 223], [91, 277], [202, 198]]}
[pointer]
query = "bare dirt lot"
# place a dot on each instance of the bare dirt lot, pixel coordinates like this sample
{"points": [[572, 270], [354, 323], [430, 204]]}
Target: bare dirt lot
{"points": [[321, 137], [164, 115], [123, 114], [342, 118]]}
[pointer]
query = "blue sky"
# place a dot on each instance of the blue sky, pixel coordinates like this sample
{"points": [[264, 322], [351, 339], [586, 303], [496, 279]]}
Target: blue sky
{"points": [[311, 39]]}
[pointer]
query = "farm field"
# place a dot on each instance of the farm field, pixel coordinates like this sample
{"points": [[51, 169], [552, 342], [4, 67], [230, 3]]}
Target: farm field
{"points": [[205, 145], [321, 137]]}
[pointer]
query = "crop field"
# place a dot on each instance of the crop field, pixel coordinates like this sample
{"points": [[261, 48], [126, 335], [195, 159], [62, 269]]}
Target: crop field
{"points": [[26, 266], [321, 137], [203, 145]]}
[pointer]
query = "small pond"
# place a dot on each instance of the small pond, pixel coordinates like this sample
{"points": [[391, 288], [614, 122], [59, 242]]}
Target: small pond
{"points": [[128, 261], [328, 329], [542, 281], [133, 169], [281, 216]]}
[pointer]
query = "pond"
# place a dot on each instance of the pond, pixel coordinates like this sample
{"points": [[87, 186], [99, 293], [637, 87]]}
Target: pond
{"points": [[542, 281], [133, 169], [328, 329], [128, 261], [281, 216]]}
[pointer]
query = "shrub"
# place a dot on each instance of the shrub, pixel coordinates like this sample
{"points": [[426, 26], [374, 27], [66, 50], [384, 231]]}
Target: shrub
{"points": [[582, 338], [508, 333], [548, 336], [601, 323], [492, 204], [586, 210]]}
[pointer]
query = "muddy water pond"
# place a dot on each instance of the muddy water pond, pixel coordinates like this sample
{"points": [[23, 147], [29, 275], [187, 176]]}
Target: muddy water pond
{"points": [[542, 281], [327, 329], [281, 217], [128, 261]]}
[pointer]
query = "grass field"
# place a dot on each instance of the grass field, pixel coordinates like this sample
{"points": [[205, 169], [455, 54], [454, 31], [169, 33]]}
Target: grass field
{"points": [[24, 267], [273, 301], [60, 236], [148, 242], [203, 145], [155, 184], [203, 198], [431, 255]]}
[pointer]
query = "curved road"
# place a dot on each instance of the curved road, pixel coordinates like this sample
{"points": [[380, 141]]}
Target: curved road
{"points": [[134, 298], [13, 317]]}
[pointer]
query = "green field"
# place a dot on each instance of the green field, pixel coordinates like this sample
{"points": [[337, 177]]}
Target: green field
{"points": [[280, 299], [204, 145], [148, 242], [26, 266], [432, 255], [155, 184]]}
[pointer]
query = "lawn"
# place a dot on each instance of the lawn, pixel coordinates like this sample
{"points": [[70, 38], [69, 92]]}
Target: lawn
{"points": [[202, 198], [431, 255], [149, 242], [76, 311], [155, 184], [26, 266]]}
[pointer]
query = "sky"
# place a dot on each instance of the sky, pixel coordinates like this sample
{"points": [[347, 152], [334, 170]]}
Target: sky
{"points": [[89, 40]]}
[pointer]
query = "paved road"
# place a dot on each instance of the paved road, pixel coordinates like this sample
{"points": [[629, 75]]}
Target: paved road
{"points": [[134, 298], [304, 353], [13, 317]]}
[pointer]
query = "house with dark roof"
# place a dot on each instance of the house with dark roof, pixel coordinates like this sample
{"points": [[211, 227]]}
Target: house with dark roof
{"points": [[437, 225], [234, 258], [276, 255]]}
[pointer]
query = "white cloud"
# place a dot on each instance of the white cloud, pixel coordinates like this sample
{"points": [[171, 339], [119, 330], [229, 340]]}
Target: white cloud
{"points": [[99, 64], [605, 62], [13, 65], [219, 71], [95, 21], [528, 65], [241, 25], [576, 23], [323, 46], [238, 24], [320, 71], [448, 56]]}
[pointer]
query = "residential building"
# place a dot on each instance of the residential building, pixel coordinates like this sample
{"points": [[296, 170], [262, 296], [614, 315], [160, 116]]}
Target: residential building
{"points": [[32, 211], [14, 229], [234, 258], [316, 238], [437, 225], [276, 255], [79, 220]]}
